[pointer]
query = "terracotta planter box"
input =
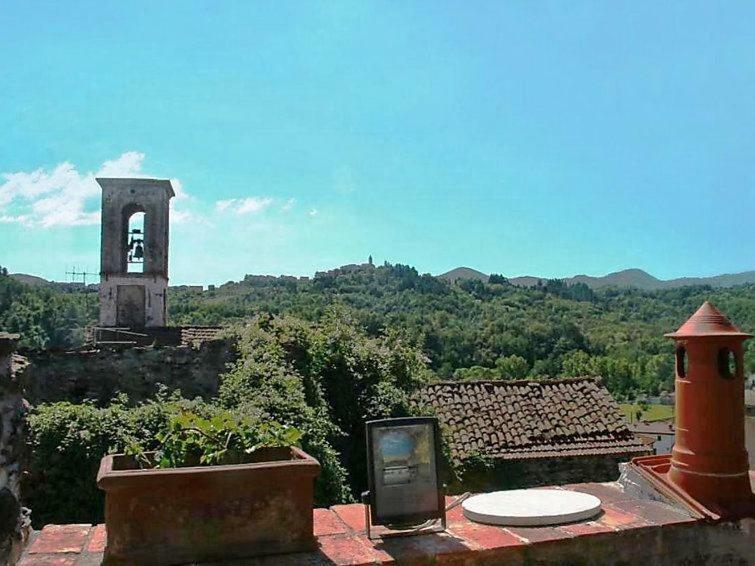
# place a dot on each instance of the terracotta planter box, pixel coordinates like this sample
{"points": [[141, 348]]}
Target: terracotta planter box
{"points": [[208, 513]]}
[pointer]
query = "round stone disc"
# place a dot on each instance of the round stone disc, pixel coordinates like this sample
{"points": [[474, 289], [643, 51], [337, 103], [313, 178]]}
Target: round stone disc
{"points": [[531, 507]]}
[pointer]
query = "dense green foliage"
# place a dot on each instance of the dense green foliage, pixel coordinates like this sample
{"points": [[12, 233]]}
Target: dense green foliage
{"points": [[466, 330], [472, 330], [44, 317], [67, 442], [326, 380], [322, 379]]}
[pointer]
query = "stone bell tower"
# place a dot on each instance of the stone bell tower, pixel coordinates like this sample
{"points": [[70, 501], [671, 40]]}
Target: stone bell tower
{"points": [[134, 260]]}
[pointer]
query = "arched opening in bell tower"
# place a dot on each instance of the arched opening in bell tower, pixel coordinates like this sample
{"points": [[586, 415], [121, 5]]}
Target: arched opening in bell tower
{"points": [[135, 241]]}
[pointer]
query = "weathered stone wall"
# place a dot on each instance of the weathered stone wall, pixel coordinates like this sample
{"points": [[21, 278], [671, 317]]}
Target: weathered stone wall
{"points": [[14, 520], [101, 374], [560, 471], [515, 474], [155, 305]]}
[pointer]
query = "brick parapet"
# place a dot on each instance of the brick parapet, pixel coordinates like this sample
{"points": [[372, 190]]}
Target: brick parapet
{"points": [[627, 530]]}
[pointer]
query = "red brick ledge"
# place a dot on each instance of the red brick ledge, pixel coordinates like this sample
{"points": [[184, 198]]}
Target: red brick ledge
{"points": [[64, 545], [342, 539]]}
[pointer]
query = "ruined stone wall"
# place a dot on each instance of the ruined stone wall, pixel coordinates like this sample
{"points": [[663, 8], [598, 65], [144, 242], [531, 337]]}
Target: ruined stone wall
{"points": [[14, 520], [516, 474], [101, 374], [560, 471]]}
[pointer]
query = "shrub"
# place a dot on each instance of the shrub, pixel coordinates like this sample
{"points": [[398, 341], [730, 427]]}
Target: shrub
{"points": [[67, 444], [68, 441]]}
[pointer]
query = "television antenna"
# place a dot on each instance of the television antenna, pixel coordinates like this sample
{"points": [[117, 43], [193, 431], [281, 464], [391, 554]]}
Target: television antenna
{"points": [[83, 274]]}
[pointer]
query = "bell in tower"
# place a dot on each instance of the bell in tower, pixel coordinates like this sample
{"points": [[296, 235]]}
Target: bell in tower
{"points": [[136, 246]]}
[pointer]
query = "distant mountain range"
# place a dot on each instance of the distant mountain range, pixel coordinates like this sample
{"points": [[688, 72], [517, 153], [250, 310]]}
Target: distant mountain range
{"points": [[34, 281], [628, 278], [31, 280], [634, 278], [463, 273]]}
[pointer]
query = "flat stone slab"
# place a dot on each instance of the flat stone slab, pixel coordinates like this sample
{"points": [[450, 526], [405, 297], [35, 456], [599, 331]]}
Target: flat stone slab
{"points": [[531, 507]]}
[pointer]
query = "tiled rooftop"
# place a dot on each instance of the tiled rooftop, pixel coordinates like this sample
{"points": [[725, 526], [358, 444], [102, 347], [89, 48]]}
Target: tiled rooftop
{"points": [[653, 427], [531, 419], [628, 529]]}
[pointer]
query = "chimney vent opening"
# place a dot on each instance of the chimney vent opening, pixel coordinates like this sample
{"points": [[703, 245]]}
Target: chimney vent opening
{"points": [[728, 366]]}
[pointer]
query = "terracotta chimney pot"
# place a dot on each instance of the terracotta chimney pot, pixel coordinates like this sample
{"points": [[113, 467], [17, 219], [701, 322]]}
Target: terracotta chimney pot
{"points": [[709, 459]]}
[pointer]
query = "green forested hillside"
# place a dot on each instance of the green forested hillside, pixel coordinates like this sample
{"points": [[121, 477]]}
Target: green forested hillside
{"points": [[467, 329], [44, 316], [472, 329]]}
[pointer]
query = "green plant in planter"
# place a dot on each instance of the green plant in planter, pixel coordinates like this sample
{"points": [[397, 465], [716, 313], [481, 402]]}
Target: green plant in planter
{"points": [[190, 439]]}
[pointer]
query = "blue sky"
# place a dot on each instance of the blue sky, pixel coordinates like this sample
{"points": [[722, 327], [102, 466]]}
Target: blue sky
{"points": [[514, 137]]}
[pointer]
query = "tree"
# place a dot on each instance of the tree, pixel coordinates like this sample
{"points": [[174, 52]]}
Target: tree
{"points": [[496, 279], [476, 373], [577, 363], [512, 367]]}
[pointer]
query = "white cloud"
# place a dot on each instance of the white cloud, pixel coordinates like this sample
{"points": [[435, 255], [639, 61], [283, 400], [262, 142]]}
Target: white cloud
{"points": [[253, 204], [178, 188], [64, 196], [128, 164], [249, 205], [313, 212], [43, 198], [221, 205], [8, 219], [184, 216], [289, 204]]}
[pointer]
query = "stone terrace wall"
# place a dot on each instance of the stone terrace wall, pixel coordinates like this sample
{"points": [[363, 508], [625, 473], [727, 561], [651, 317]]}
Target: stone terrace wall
{"points": [[101, 374]]}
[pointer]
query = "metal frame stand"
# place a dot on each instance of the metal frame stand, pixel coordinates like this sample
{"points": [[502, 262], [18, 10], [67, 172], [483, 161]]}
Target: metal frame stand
{"points": [[428, 527]]}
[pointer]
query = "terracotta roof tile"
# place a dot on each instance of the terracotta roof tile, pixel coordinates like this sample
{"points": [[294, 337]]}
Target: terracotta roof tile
{"points": [[530, 419]]}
